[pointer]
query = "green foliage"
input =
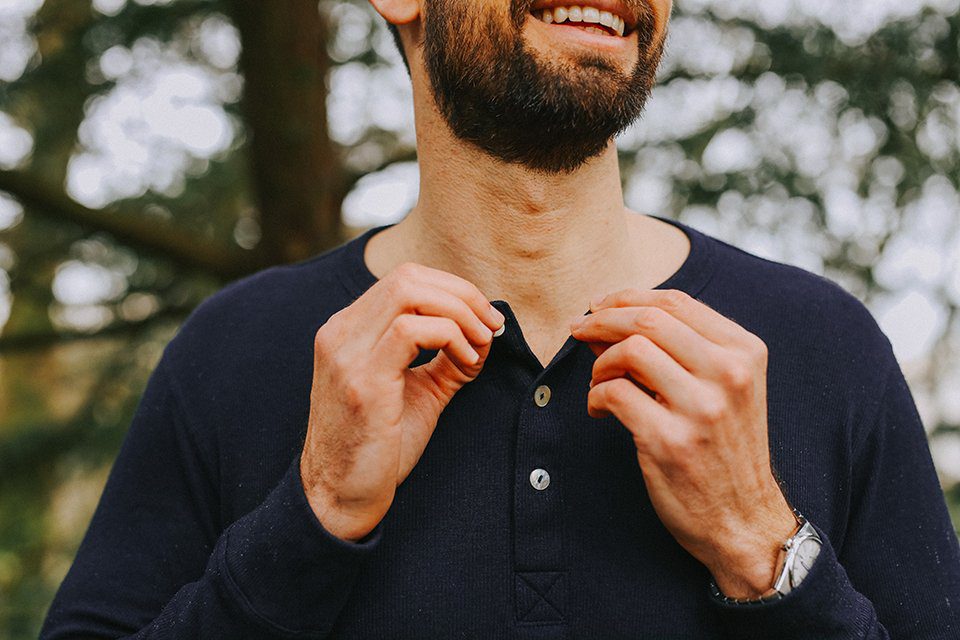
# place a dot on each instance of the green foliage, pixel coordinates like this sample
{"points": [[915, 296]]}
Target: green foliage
{"points": [[852, 144]]}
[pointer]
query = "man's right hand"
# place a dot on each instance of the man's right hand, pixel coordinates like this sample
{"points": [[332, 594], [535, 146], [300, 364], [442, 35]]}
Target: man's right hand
{"points": [[371, 415]]}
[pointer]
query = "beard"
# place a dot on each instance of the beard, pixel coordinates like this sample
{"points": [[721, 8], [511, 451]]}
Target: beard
{"points": [[496, 93]]}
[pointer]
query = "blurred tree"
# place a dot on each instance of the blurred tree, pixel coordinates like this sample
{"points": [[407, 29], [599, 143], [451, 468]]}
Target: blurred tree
{"points": [[147, 158], [297, 173]]}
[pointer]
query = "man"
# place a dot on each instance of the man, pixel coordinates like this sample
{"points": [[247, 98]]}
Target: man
{"points": [[362, 445]]}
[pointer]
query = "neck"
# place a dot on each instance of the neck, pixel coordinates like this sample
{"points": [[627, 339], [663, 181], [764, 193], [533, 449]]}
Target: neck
{"points": [[545, 243], [522, 237]]}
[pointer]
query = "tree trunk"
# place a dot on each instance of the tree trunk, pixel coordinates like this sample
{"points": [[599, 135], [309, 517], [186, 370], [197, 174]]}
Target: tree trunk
{"points": [[295, 168]]}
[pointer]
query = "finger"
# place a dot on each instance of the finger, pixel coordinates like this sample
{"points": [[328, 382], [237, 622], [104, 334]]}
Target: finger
{"points": [[401, 284], [422, 298], [640, 358], [693, 351], [464, 290], [408, 334], [709, 323], [599, 348], [643, 416]]}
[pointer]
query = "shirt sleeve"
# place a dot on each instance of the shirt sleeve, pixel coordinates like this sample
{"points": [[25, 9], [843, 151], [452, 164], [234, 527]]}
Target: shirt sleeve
{"points": [[897, 574], [155, 564]]}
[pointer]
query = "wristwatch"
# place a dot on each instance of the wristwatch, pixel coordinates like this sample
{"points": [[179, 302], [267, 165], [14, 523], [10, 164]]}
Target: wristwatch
{"points": [[794, 561]]}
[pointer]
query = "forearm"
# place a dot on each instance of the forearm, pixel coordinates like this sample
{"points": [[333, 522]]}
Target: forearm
{"points": [[275, 573]]}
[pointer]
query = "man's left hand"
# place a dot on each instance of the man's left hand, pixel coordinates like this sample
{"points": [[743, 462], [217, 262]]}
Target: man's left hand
{"points": [[701, 429]]}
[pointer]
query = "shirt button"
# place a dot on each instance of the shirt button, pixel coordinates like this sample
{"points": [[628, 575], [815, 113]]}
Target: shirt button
{"points": [[499, 332], [540, 479], [542, 395]]}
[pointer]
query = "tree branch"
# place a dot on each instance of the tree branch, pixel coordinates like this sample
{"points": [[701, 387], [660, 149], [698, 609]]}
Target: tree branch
{"points": [[29, 341], [134, 230]]}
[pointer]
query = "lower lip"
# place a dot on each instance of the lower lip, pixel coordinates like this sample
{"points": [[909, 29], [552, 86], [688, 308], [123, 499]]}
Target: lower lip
{"points": [[583, 37]]}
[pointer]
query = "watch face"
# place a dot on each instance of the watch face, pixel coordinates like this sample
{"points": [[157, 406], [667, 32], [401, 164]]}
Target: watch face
{"points": [[806, 555]]}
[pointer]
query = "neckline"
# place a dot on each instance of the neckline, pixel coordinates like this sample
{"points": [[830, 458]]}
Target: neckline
{"points": [[691, 277]]}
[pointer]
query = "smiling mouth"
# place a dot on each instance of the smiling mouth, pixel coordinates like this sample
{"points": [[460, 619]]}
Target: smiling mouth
{"points": [[588, 18]]}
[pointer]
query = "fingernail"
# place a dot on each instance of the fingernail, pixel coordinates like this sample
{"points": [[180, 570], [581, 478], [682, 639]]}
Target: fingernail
{"points": [[499, 317], [596, 302], [576, 323]]}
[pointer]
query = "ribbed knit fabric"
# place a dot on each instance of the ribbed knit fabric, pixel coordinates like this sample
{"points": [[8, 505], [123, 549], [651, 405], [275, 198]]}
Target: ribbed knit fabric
{"points": [[203, 529]]}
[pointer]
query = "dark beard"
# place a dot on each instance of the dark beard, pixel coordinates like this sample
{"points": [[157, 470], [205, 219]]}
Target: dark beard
{"points": [[495, 94]]}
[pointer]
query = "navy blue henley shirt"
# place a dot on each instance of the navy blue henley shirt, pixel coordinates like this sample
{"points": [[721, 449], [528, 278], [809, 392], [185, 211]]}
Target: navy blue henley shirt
{"points": [[203, 529]]}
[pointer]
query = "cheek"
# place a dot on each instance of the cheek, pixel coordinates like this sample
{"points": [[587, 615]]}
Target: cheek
{"points": [[662, 9]]}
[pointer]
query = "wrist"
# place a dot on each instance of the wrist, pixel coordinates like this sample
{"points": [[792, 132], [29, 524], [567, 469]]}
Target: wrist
{"points": [[338, 525], [330, 513], [750, 579], [748, 568]]}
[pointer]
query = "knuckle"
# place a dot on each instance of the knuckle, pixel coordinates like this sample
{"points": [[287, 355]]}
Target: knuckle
{"points": [[403, 327], [676, 441], [325, 346], [611, 297], [737, 376], [619, 387], [475, 298], [624, 297], [407, 270], [602, 395], [674, 300], [635, 346], [401, 285], [602, 389], [680, 446], [594, 401], [461, 308], [321, 342], [613, 392], [353, 395], [598, 366], [646, 318], [712, 409], [450, 328]]}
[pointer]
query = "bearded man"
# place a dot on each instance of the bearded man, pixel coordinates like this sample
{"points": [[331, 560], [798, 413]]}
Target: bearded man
{"points": [[408, 437]]}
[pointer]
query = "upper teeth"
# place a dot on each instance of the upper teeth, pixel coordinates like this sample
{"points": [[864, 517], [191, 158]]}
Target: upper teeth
{"points": [[581, 13]]}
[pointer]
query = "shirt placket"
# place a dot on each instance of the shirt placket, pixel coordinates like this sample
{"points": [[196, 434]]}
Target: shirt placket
{"points": [[540, 576]]}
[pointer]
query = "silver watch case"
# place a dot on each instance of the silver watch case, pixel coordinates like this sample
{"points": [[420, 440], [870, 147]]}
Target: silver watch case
{"points": [[798, 553]]}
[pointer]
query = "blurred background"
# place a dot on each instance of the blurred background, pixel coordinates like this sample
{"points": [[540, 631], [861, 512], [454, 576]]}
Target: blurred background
{"points": [[152, 151]]}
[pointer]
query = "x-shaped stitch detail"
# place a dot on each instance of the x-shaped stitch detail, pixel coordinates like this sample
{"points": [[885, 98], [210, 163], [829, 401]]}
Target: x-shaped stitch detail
{"points": [[542, 592]]}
